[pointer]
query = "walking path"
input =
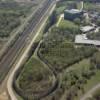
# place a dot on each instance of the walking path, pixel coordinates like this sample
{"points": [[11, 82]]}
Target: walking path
{"points": [[90, 92], [61, 16]]}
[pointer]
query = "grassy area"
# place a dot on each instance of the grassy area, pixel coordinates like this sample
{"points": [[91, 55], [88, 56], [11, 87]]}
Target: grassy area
{"points": [[93, 81], [72, 78], [34, 76], [67, 24]]}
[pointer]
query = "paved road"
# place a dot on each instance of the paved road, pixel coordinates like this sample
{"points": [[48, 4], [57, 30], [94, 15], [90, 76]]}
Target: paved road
{"points": [[10, 57], [10, 80]]}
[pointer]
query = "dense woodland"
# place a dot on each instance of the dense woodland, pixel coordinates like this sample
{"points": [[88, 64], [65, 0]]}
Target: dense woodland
{"points": [[10, 16]]}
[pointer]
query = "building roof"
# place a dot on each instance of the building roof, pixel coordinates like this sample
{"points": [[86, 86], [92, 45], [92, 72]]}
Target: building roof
{"points": [[86, 28], [82, 39], [73, 11]]}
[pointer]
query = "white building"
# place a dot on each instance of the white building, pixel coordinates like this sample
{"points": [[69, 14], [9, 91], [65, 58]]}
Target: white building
{"points": [[87, 29], [82, 39]]}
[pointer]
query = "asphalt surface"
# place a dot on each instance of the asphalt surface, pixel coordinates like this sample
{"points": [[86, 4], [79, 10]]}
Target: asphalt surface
{"points": [[13, 52]]}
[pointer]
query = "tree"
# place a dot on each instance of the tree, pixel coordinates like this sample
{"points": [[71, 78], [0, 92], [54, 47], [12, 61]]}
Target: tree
{"points": [[77, 21], [52, 20]]}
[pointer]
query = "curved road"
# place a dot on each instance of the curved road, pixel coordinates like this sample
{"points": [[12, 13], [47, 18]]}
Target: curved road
{"points": [[10, 80]]}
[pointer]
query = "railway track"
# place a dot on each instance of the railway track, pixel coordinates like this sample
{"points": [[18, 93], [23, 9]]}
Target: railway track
{"points": [[8, 60]]}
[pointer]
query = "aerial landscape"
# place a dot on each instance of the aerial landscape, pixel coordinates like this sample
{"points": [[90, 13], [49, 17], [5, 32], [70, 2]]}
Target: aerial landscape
{"points": [[49, 49]]}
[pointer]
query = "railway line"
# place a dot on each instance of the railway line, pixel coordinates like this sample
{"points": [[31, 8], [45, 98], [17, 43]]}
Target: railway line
{"points": [[13, 52]]}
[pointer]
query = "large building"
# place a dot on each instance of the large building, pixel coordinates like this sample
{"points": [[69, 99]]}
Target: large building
{"points": [[72, 14]]}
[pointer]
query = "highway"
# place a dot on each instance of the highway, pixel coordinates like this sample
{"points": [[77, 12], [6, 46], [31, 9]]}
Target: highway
{"points": [[8, 60]]}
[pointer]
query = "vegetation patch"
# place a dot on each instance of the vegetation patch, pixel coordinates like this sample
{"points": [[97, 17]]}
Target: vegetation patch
{"points": [[11, 14], [77, 80], [34, 77], [60, 52]]}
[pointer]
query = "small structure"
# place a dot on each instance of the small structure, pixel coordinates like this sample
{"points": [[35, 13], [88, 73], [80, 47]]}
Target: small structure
{"points": [[72, 14], [86, 29], [82, 39]]}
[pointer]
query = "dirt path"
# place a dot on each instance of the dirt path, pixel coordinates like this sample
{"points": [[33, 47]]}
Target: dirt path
{"points": [[61, 16], [90, 92]]}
